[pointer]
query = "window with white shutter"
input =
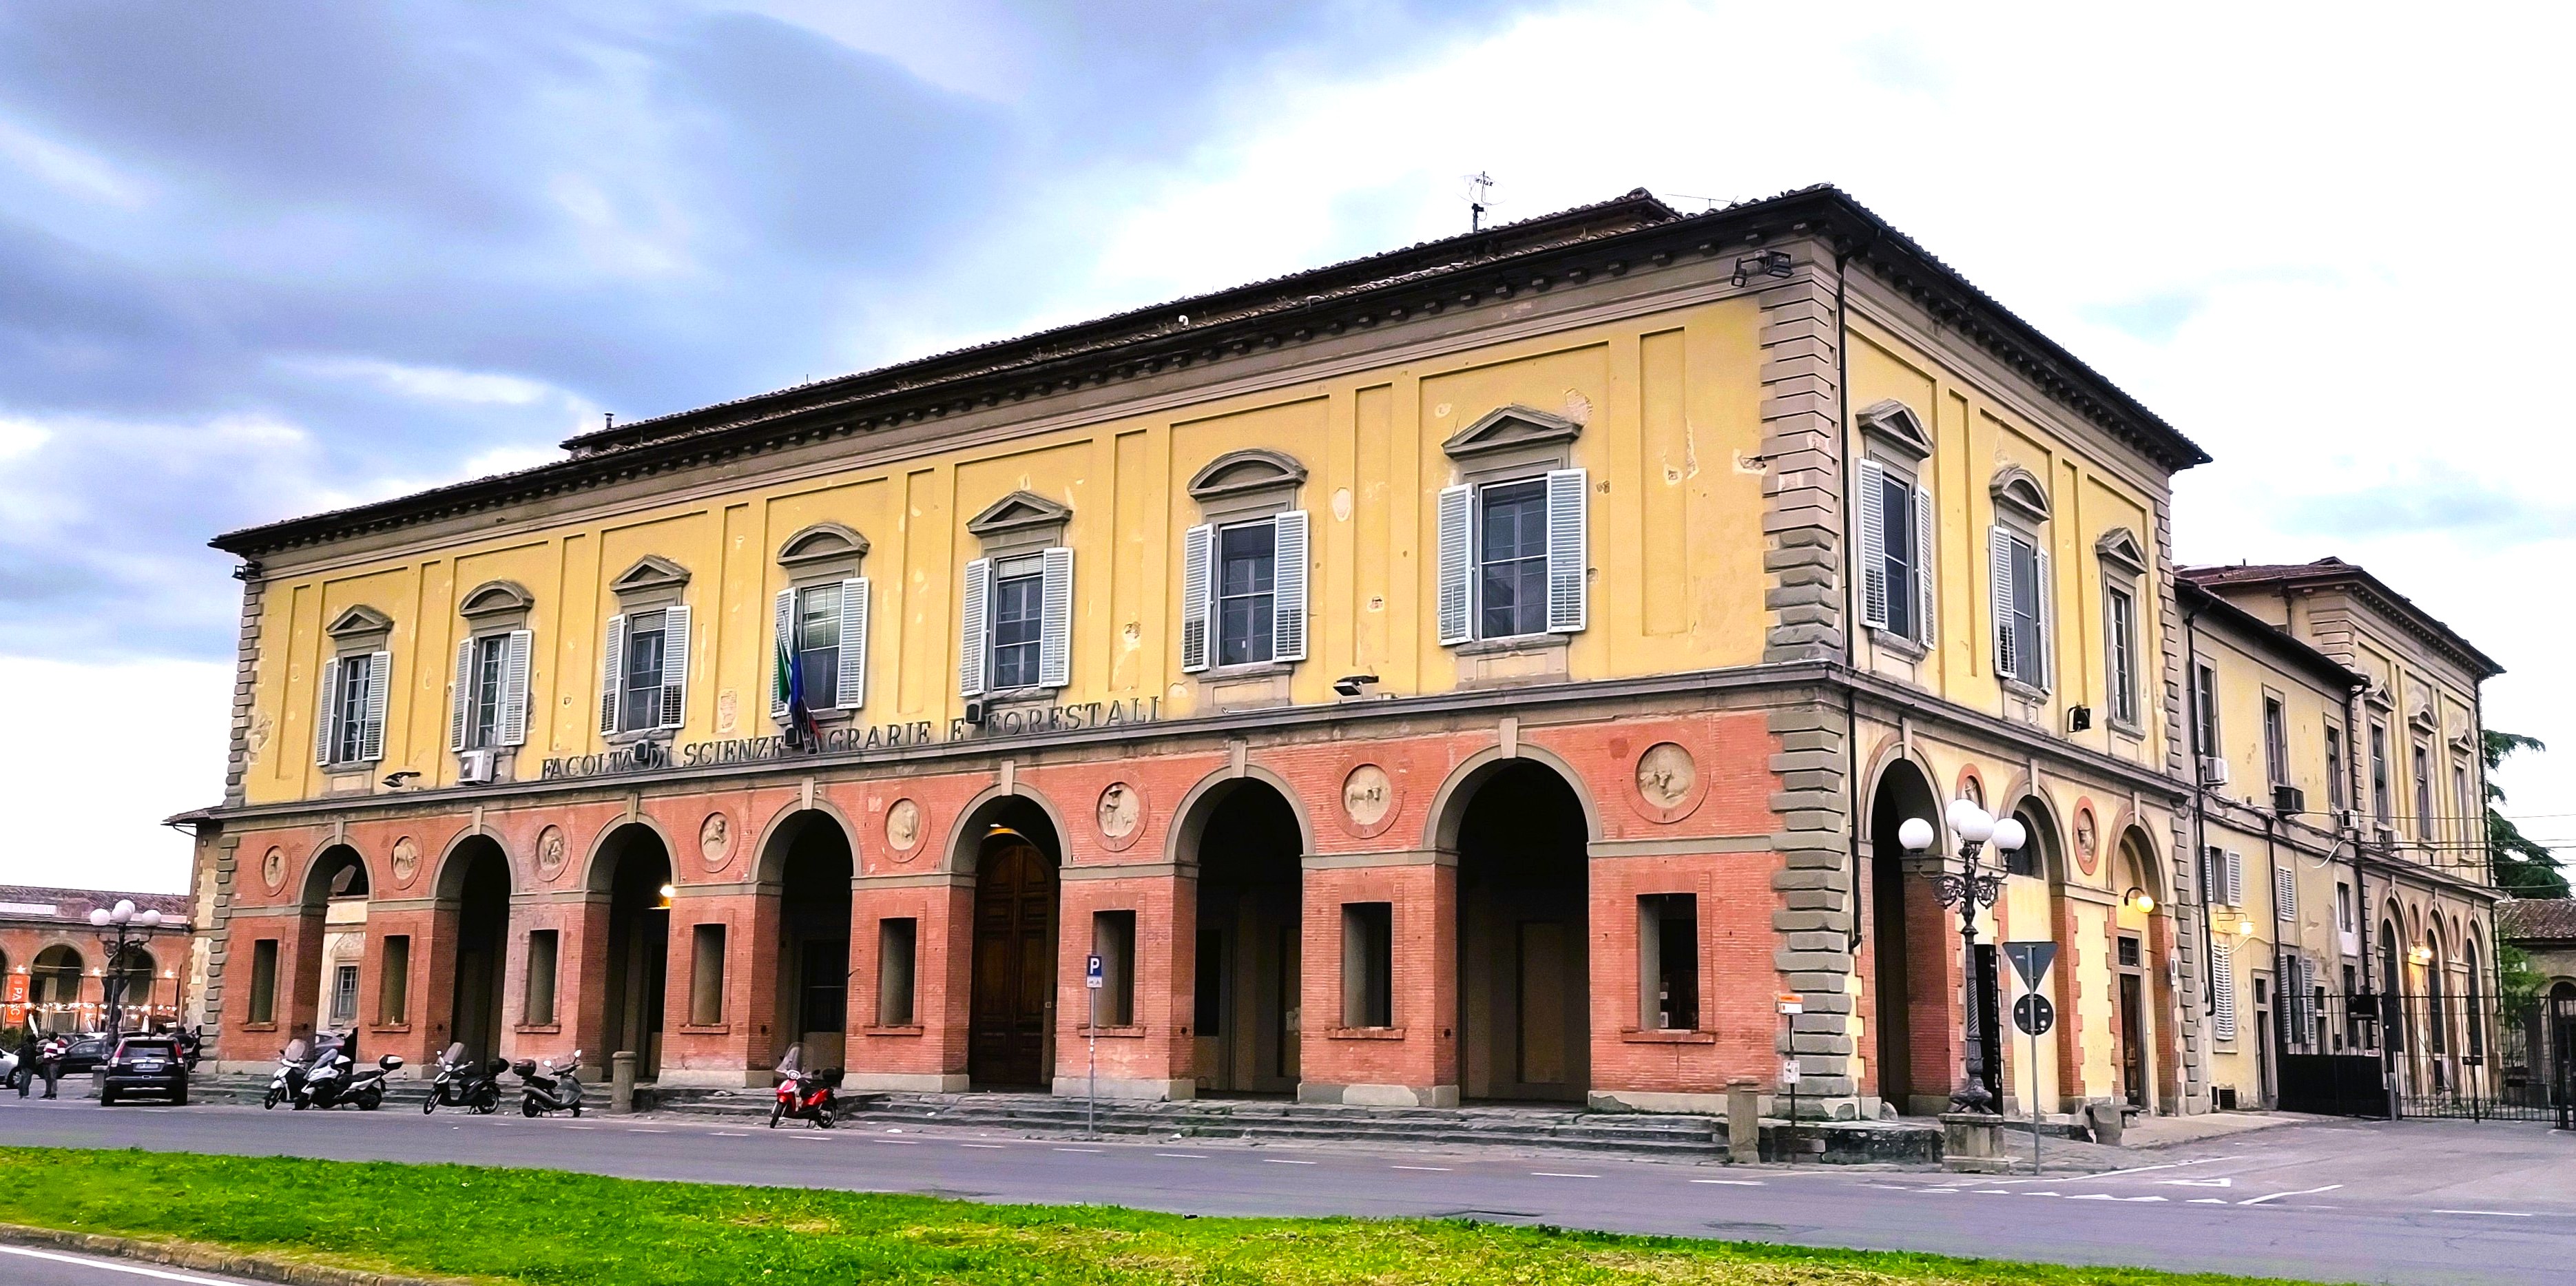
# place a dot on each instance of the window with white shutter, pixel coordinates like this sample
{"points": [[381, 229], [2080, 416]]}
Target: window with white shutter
{"points": [[782, 652], [2222, 992], [1288, 613], [974, 629], [612, 674], [2235, 878], [675, 665], [1457, 571], [491, 697], [1999, 594], [1569, 495], [326, 711], [2285, 894], [1875, 590], [851, 682], [380, 668], [518, 650], [1198, 596], [1055, 636], [462, 700], [1926, 586]]}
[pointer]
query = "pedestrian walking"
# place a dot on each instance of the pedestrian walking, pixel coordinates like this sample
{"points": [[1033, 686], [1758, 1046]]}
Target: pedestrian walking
{"points": [[30, 1049], [50, 1063]]}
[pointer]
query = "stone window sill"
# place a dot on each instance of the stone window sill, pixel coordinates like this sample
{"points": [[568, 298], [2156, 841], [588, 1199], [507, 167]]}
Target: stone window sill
{"points": [[1896, 644], [705, 1029], [389, 1028], [1247, 670], [1667, 1036], [1518, 643], [259, 1027], [538, 1029], [2034, 695], [1364, 1033], [2124, 727], [913, 1030], [1130, 1031]]}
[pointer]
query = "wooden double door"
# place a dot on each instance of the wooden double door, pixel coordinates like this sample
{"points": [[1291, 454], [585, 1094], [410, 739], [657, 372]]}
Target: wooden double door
{"points": [[1014, 991]]}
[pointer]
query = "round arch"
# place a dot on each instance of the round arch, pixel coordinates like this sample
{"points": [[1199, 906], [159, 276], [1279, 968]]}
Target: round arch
{"points": [[322, 875], [1189, 817], [1457, 791], [447, 883], [2045, 834], [2141, 865], [769, 853], [597, 873], [974, 821]]}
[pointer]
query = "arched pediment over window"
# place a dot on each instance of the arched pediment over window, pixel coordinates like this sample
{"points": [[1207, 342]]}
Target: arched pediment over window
{"points": [[2018, 490], [2119, 547], [821, 543], [650, 572], [1250, 471], [1509, 427], [495, 597], [1894, 424]]}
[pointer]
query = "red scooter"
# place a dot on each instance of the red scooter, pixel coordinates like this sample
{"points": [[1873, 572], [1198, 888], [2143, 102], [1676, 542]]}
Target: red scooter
{"points": [[803, 1095]]}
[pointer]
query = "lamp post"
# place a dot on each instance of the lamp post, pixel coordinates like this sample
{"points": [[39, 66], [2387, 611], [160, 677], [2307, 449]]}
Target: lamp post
{"points": [[122, 917], [1969, 888]]}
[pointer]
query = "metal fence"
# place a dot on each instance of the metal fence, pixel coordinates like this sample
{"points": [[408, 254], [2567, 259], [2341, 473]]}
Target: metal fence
{"points": [[2426, 1056]]}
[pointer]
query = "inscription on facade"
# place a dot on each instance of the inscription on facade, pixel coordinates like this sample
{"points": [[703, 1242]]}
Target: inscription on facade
{"points": [[856, 742]]}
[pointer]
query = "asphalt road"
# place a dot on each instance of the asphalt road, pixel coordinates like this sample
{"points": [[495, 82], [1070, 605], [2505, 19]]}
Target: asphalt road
{"points": [[2430, 1202], [54, 1268]]}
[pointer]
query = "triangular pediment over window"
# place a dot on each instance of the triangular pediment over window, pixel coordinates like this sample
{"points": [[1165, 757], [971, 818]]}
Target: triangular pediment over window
{"points": [[2018, 491], [650, 572], [1505, 428], [492, 598], [1016, 512], [1247, 471], [359, 620], [822, 542], [2119, 548], [1893, 424]]}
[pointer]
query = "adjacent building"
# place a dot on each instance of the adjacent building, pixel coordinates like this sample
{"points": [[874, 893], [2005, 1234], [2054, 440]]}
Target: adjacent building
{"points": [[1494, 669], [57, 967]]}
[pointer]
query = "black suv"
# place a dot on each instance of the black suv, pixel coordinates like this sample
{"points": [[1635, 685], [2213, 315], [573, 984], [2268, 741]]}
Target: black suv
{"points": [[151, 1066]]}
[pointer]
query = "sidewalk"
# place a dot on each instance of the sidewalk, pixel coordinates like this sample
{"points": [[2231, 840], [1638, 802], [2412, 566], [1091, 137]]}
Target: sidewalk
{"points": [[2166, 1131]]}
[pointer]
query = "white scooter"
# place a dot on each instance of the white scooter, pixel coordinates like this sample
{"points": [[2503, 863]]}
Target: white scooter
{"points": [[287, 1086]]}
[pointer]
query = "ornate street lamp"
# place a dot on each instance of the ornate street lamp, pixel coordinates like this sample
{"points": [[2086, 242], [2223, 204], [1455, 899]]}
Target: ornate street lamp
{"points": [[1969, 888], [122, 917]]}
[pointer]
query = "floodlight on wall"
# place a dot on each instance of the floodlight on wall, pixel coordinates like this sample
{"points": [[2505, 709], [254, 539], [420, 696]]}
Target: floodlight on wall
{"points": [[1769, 263], [665, 904], [1352, 685]]}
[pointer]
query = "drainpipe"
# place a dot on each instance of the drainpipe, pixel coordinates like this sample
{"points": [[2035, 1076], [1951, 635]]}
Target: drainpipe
{"points": [[2199, 810]]}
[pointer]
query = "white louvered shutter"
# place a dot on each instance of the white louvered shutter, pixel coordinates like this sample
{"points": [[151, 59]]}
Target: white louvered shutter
{"points": [[1457, 505], [851, 684], [515, 654], [612, 663], [1872, 554], [974, 637], [2213, 881], [1926, 577], [380, 671], [326, 714], [1288, 585], [1569, 497], [1198, 592], [2285, 894], [2222, 992], [2038, 670], [782, 644], [2235, 878], [461, 705], [1055, 619], [1999, 591], [675, 665]]}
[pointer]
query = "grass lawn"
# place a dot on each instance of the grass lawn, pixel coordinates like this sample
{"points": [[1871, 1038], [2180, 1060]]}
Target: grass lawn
{"points": [[545, 1226]]}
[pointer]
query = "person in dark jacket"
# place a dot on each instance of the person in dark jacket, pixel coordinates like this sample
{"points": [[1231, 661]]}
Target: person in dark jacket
{"points": [[29, 1050]]}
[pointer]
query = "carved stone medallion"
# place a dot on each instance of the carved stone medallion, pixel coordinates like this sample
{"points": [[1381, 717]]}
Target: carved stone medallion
{"points": [[406, 860], [2088, 839], [272, 869], [1367, 796], [1122, 810], [550, 852], [1667, 782], [715, 840], [903, 829]]}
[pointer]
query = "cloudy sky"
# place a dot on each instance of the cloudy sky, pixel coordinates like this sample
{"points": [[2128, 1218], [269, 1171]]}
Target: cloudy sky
{"points": [[257, 259]]}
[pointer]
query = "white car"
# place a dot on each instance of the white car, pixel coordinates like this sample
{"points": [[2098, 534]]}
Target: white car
{"points": [[8, 1069]]}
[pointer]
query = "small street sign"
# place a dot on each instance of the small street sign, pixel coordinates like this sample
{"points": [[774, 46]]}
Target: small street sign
{"points": [[2033, 1014], [1091, 973], [1790, 1003], [2031, 960], [1788, 1071]]}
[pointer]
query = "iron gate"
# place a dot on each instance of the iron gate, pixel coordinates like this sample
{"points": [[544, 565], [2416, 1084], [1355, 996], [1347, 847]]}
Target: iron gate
{"points": [[2427, 1057]]}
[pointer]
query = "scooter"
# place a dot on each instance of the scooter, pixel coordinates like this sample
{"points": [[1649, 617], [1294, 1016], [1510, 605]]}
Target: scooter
{"points": [[336, 1079], [549, 1087], [471, 1084], [805, 1096], [287, 1086]]}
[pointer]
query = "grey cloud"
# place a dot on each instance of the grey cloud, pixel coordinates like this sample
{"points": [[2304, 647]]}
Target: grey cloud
{"points": [[2438, 500]]}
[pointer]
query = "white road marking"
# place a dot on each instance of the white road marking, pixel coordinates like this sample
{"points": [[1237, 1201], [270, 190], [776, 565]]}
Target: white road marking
{"points": [[1739, 1183], [1082, 1149], [1285, 1161], [2043, 1194], [641, 1130], [2104, 1196], [730, 1134], [2198, 1183], [1560, 1174], [1194, 1156], [581, 1127], [2207, 1201], [1444, 1170], [901, 1143], [113, 1266], [995, 1146], [2501, 1214], [2256, 1201]]}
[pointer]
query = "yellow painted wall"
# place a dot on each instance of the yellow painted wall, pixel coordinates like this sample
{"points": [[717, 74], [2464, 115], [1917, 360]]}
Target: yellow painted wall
{"points": [[1671, 408]]}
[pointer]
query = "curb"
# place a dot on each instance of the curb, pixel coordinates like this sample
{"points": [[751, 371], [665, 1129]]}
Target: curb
{"points": [[208, 1259]]}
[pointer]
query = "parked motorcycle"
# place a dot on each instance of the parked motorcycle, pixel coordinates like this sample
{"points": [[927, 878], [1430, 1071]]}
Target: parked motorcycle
{"points": [[287, 1086], [336, 1078], [803, 1095], [469, 1083], [549, 1087]]}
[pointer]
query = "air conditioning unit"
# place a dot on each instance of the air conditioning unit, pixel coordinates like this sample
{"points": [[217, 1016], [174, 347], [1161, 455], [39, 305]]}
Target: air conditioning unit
{"points": [[2213, 771], [2287, 800], [474, 768], [975, 712]]}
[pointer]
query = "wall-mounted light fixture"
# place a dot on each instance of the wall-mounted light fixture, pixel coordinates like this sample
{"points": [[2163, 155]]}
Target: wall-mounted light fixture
{"points": [[2138, 900], [1769, 263]]}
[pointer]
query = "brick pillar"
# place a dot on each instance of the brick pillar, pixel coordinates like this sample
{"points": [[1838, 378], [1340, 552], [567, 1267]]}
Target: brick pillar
{"points": [[1146, 1057], [378, 1033], [1414, 1061], [928, 1053]]}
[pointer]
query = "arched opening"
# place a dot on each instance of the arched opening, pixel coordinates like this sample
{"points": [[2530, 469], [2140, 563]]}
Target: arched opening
{"points": [[2142, 991], [54, 990], [2393, 1009], [635, 867], [475, 888], [333, 942], [2437, 1013], [126, 992], [808, 860], [2559, 1037], [2474, 1015], [1245, 840], [1524, 968], [1910, 983], [1011, 1024], [2034, 910]]}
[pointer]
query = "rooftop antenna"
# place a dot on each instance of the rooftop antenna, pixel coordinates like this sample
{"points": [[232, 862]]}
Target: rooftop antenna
{"points": [[1480, 199]]}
